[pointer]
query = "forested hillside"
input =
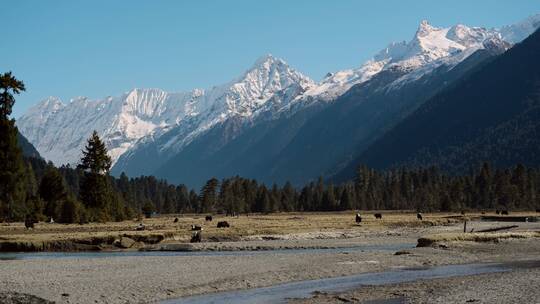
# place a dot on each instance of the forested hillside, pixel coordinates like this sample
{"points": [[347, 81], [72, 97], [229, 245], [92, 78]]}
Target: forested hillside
{"points": [[491, 115]]}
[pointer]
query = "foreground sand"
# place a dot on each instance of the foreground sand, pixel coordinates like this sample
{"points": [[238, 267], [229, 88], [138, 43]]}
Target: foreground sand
{"points": [[153, 278]]}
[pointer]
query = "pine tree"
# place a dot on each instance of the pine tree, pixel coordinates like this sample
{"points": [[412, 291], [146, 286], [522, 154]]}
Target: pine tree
{"points": [[274, 199], [183, 198], [96, 193], [262, 203], [70, 211], [53, 191], [208, 197], [95, 158], [345, 203], [148, 208], [194, 202], [170, 202], [288, 198], [12, 168], [329, 199]]}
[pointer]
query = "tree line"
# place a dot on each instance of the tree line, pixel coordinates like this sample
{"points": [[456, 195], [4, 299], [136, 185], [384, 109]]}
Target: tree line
{"points": [[421, 189], [33, 188]]}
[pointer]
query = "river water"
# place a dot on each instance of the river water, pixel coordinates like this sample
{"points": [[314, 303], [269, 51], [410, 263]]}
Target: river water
{"points": [[280, 293], [107, 254]]}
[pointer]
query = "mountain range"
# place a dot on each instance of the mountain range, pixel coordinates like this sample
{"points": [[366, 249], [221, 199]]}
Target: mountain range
{"points": [[272, 123]]}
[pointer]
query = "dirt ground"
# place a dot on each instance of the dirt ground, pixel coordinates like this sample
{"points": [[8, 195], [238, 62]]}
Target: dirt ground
{"points": [[242, 227], [369, 247]]}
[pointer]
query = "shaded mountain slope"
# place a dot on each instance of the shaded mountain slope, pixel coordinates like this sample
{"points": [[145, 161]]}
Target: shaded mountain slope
{"points": [[491, 115]]}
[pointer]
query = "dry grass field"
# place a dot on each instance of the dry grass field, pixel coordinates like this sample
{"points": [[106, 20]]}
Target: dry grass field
{"points": [[163, 228]]}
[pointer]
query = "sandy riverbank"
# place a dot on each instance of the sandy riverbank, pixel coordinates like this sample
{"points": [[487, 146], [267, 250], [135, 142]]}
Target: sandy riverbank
{"points": [[517, 286], [140, 279]]}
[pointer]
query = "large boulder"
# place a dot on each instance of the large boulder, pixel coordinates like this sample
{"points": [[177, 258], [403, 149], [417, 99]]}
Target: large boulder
{"points": [[126, 242]]}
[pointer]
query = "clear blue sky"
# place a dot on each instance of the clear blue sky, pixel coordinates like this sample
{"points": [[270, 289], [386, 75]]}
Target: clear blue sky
{"points": [[102, 48]]}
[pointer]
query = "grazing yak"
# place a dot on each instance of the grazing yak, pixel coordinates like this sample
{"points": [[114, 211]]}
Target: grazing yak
{"points": [[208, 218], [497, 212], [196, 228], [223, 224], [358, 218], [196, 237], [29, 222], [378, 216], [419, 216], [504, 212], [176, 220]]}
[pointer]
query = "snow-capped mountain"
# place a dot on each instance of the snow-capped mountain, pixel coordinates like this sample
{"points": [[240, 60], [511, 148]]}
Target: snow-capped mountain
{"points": [[243, 97], [59, 131], [141, 116], [430, 47]]}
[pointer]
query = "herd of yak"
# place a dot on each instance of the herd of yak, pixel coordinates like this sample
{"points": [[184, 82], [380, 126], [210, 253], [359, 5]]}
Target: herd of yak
{"points": [[419, 215], [29, 222], [197, 230], [379, 217]]}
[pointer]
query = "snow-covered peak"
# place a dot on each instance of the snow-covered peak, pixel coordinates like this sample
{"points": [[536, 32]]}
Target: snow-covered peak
{"points": [[431, 43], [49, 104], [517, 32], [257, 85], [469, 36], [425, 29], [41, 111], [271, 74], [429, 48], [266, 60], [145, 102]]}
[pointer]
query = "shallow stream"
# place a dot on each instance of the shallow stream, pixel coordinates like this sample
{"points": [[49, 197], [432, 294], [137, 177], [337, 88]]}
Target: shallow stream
{"points": [[280, 293]]}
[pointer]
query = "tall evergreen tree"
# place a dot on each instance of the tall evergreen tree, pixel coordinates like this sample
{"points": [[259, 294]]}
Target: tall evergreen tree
{"points": [[208, 197], [96, 193], [345, 203], [95, 159], [12, 168], [53, 191]]}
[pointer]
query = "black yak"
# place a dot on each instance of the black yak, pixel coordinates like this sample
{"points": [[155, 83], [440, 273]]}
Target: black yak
{"points": [[196, 237], [29, 222], [196, 228], [504, 212], [419, 216], [223, 224], [358, 218], [208, 218], [497, 212], [378, 216], [176, 220]]}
